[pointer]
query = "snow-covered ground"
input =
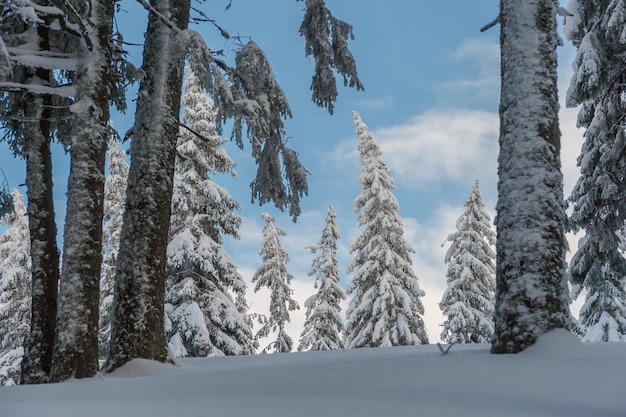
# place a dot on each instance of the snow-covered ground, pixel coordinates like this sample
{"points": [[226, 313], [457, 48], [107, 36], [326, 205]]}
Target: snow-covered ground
{"points": [[558, 376]]}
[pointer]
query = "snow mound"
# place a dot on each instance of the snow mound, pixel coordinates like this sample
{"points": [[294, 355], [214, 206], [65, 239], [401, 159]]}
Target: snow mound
{"points": [[556, 343], [143, 367]]}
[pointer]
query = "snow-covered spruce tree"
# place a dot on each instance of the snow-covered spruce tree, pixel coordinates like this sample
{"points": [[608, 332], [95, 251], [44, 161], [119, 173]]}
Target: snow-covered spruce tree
{"points": [[597, 30], [273, 274], [114, 196], [468, 300], [203, 318], [531, 288], [323, 324], [386, 309], [15, 294], [248, 94]]}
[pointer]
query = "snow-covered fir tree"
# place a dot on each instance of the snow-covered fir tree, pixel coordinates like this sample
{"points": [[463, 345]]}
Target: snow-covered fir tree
{"points": [[386, 309], [598, 31], [273, 274], [323, 324], [15, 297], [202, 316], [114, 196], [468, 300], [531, 287]]}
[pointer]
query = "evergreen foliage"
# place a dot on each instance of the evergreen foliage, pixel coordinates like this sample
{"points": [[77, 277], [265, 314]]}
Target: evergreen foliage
{"points": [[323, 324], [598, 31], [531, 287], [203, 318], [386, 309], [15, 296], [114, 196], [468, 300], [273, 274]]}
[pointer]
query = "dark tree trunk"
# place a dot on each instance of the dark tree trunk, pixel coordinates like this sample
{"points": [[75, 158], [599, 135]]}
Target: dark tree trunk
{"points": [[137, 329], [37, 360]]}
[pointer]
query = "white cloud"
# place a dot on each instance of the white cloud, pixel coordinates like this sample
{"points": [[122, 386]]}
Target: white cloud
{"points": [[441, 145]]}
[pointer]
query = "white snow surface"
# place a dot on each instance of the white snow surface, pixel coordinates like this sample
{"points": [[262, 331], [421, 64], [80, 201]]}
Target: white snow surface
{"points": [[558, 376]]}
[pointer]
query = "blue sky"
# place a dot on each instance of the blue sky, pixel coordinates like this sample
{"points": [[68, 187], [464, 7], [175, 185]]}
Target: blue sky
{"points": [[431, 99]]}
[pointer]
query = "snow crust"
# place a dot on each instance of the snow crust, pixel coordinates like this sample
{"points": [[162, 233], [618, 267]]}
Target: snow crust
{"points": [[547, 380]]}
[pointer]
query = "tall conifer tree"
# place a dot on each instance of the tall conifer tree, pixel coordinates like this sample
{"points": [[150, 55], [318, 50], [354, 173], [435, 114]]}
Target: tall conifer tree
{"points": [[386, 309], [203, 317]]}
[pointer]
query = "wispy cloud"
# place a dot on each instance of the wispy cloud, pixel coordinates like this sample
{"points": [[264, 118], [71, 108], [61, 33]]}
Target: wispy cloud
{"points": [[374, 104], [483, 56]]}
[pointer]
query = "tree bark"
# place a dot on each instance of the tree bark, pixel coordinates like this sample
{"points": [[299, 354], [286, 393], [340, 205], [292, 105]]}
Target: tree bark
{"points": [[137, 329], [37, 135], [531, 288], [76, 344], [37, 361]]}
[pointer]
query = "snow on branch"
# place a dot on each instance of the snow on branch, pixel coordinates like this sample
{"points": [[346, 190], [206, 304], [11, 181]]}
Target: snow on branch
{"points": [[5, 62], [62, 91], [327, 41], [249, 94]]}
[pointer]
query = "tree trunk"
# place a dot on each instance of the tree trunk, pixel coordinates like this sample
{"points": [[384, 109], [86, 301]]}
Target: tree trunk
{"points": [[76, 344], [531, 289], [137, 329], [37, 360]]}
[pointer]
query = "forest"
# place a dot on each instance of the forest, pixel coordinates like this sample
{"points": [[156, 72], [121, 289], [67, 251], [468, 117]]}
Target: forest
{"points": [[144, 273]]}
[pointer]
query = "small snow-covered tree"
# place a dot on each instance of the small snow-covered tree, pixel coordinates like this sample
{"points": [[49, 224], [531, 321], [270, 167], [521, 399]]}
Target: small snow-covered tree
{"points": [[468, 301], [114, 196], [323, 324], [597, 30], [203, 317], [15, 282], [273, 274], [386, 309]]}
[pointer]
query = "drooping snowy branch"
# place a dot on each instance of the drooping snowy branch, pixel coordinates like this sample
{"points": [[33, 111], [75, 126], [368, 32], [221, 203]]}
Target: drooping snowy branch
{"points": [[327, 41]]}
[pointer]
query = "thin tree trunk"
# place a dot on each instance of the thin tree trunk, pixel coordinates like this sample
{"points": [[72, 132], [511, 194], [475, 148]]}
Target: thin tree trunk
{"points": [[531, 289], [76, 344], [137, 329], [37, 360]]}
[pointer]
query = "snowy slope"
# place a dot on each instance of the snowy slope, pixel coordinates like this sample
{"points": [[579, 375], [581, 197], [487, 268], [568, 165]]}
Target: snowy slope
{"points": [[558, 376]]}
